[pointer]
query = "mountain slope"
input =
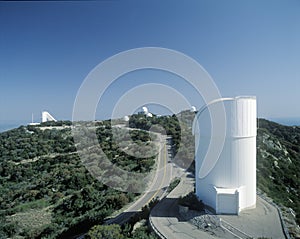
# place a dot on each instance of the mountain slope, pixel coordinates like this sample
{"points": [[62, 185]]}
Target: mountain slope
{"points": [[45, 191], [278, 165]]}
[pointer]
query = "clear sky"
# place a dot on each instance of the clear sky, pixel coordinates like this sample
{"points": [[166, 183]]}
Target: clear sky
{"points": [[48, 48]]}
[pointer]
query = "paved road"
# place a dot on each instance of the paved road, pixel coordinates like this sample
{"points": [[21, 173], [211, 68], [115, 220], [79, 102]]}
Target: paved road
{"points": [[161, 181], [165, 216], [157, 188]]}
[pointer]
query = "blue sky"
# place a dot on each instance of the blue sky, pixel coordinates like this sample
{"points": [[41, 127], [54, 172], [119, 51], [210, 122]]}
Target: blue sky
{"points": [[48, 48]]}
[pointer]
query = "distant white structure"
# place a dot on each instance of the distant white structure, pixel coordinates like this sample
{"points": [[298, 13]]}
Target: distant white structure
{"points": [[145, 110], [230, 186], [33, 123], [47, 117], [193, 109], [126, 118]]}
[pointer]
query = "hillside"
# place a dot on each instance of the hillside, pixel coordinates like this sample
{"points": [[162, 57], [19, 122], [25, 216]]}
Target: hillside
{"points": [[278, 161], [45, 191], [278, 167]]}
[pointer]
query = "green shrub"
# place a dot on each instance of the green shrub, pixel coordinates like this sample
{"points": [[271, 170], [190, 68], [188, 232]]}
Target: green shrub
{"points": [[191, 201]]}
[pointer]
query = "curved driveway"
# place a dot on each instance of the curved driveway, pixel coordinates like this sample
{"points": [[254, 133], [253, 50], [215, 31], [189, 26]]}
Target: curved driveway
{"points": [[165, 219], [161, 181]]}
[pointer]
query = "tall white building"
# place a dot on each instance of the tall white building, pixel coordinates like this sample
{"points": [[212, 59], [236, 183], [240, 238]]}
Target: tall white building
{"points": [[229, 185]]}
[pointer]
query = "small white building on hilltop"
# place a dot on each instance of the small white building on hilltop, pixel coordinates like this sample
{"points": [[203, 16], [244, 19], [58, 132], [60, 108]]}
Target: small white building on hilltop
{"points": [[229, 186], [47, 117], [146, 112]]}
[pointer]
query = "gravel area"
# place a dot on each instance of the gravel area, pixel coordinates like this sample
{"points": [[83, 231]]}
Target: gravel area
{"points": [[211, 225], [263, 221]]}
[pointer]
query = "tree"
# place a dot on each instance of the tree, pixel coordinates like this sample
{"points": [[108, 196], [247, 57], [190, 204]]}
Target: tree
{"points": [[105, 232]]}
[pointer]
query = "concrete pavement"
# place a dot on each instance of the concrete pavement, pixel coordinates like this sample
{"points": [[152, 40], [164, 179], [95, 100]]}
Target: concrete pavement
{"points": [[165, 218], [263, 221]]}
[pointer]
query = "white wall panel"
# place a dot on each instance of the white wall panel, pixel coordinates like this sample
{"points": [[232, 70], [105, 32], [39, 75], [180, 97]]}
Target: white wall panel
{"points": [[236, 166]]}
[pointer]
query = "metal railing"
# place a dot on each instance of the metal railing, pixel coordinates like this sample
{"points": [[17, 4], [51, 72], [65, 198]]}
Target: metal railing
{"points": [[157, 232], [233, 230], [284, 227]]}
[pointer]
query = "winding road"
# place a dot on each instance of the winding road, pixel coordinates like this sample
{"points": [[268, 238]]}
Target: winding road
{"points": [[157, 189], [161, 180]]}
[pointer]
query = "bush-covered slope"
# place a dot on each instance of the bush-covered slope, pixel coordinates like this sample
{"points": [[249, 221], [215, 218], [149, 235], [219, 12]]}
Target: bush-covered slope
{"points": [[45, 191], [178, 127], [278, 163]]}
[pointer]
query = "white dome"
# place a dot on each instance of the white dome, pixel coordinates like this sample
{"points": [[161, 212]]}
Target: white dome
{"points": [[145, 110], [193, 109], [126, 118], [149, 115]]}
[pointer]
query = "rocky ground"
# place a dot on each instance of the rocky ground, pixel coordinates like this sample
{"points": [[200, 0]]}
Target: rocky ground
{"points": [[263, 221], [211, 224], [208, 223]]}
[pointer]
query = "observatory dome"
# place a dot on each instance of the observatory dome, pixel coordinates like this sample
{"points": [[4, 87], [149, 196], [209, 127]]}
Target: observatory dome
{"points": [[145, 110], [230, 185], [193, 109]]}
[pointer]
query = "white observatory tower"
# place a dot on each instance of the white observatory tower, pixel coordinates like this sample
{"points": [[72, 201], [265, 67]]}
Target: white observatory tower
{"points": [[47, 117], [230, 186]]}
